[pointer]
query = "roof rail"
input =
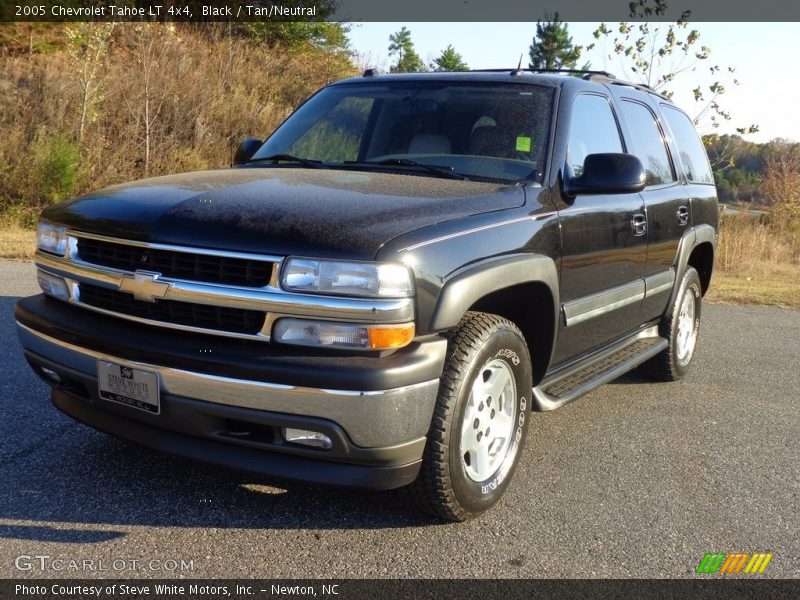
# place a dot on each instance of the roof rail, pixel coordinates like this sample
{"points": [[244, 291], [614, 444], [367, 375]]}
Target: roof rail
{"points": [[615, 81], [520, 70], [587, 74]]}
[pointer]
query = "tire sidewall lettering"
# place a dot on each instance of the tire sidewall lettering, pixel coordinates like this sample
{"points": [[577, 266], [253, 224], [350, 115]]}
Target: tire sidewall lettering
{"points": [[510, 355], [509, 347]]}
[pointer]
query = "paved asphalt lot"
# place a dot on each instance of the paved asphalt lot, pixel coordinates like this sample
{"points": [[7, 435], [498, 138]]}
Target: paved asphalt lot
{"points": [[635, 480]]}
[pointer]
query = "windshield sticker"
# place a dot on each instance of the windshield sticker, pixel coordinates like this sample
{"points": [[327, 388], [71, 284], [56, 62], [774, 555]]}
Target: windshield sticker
{"points": [[523, 143]]}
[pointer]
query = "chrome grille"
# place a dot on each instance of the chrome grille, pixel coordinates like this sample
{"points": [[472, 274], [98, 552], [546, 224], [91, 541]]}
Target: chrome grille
{"points": [[218, 318], [186, 265], [218, 292]]}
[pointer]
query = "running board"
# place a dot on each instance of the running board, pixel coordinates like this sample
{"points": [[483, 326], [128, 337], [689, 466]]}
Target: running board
{"points": [[566, 385]]}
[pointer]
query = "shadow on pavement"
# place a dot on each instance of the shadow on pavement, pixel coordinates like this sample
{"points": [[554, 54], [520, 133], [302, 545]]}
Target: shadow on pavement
{"points": [[51, 534], [58, 471]]}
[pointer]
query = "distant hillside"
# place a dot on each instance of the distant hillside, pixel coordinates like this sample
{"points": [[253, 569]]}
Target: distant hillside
{"points": [[88, 105]]}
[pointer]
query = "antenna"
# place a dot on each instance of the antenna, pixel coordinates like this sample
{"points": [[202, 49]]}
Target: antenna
{"points": [[518, 71]]}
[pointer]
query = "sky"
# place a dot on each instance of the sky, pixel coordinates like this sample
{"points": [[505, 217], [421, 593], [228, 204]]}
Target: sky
{"points": [[767, 94]]}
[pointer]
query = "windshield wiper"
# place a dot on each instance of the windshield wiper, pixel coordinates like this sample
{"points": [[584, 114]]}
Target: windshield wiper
{"points": [[315, 164], [447, 172]]}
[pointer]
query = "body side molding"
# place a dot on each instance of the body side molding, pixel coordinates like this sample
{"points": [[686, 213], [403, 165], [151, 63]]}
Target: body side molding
{"points": [[588, 307], [659, 282]]}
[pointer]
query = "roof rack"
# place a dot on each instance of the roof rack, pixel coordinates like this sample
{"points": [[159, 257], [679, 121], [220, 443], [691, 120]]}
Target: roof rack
{"points": [[615, 81], [520, 70], [587, 74]]}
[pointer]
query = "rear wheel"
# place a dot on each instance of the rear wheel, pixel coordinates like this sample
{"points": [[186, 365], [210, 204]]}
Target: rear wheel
{"points": [[480, 421], [680, 327]]}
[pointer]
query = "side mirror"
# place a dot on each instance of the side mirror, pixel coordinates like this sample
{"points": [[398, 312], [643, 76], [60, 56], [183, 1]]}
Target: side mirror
{"points": [[609, 173], [245, 151]]}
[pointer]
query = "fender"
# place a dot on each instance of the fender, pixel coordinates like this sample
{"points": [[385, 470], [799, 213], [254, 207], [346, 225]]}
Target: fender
{"points": [[689, 241], [471, 283]]}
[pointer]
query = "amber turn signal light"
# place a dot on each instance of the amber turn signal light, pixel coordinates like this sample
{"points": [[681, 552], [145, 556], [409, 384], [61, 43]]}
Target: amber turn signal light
{"points": [[386, 337]]}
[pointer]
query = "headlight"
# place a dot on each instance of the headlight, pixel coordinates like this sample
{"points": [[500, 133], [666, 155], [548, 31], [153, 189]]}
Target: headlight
{"points": [[347, 278], [51, 238]]}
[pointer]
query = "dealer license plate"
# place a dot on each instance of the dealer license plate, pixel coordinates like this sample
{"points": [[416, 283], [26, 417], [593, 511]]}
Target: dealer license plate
{"points": [[126, 385]]}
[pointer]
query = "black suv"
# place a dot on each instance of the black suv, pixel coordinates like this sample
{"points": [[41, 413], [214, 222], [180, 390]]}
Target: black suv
{"points": [[379, 294]]}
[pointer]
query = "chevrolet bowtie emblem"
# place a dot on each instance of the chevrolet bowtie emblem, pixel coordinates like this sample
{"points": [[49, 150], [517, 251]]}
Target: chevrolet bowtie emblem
{"points": [[144, 285]]}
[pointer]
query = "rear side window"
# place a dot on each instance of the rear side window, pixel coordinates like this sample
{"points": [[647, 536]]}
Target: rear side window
{"points": [[593, 130], [693, 154], [648, 143]]}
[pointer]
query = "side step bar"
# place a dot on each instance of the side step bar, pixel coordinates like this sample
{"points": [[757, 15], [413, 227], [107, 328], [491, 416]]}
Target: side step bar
{"points": [[563, 386]]}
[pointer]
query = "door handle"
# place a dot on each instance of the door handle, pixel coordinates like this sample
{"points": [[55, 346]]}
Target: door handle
{"points": [[683, 215], [639, 224]]}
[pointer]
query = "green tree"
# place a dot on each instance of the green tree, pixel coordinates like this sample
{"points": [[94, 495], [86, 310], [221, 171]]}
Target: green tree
{"points": [[737, 164], [296, 31], [55, 159], [408, 61], [449, 60], [552, 46], [291, 34]]}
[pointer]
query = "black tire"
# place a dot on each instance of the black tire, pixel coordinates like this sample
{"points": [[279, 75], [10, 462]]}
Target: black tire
{"points": [[448, 486], [674, 361]]}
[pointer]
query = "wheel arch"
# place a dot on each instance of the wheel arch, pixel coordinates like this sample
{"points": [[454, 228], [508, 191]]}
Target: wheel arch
{"points": [[695, 249], [521, 288], [702, 259]]}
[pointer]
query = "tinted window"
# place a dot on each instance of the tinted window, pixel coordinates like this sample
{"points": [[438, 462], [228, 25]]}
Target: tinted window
{"points": [[648, 143], [489, 130], [692, 153], [337, 135], [593, 130]]}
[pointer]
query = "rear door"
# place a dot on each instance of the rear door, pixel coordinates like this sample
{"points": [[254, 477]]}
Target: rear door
{"points": [[689, 153], [666, 203]]}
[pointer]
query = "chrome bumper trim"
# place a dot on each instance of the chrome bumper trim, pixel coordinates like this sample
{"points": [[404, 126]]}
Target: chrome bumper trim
{"points": [[372, 419]]}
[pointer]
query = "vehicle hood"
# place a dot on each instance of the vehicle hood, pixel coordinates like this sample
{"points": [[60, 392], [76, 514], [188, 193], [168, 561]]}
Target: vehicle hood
{"points": [[281, 210]]}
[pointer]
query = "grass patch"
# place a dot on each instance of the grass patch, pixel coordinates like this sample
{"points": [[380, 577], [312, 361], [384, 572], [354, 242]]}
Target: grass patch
{"points": [[756, 264], [17, 243], [773, 285]]}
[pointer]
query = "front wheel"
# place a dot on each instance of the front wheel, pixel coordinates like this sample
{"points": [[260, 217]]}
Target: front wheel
{"points": [[480, 421], [680, 327]]}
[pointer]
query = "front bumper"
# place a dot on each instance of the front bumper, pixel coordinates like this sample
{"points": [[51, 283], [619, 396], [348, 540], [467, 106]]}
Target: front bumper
{"points": [[229, 411]]}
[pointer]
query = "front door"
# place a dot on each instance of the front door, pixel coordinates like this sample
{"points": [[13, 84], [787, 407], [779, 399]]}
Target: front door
{"points": [[604, 242]]}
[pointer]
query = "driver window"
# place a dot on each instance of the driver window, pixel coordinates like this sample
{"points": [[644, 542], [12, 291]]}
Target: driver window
{"points": [[593, 130]]}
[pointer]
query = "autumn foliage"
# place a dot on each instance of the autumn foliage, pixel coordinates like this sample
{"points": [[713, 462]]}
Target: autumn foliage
{"points": [[83, 106]]}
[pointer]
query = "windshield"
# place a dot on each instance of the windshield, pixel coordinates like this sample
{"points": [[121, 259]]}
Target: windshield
{"points": [[488, 131]]}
